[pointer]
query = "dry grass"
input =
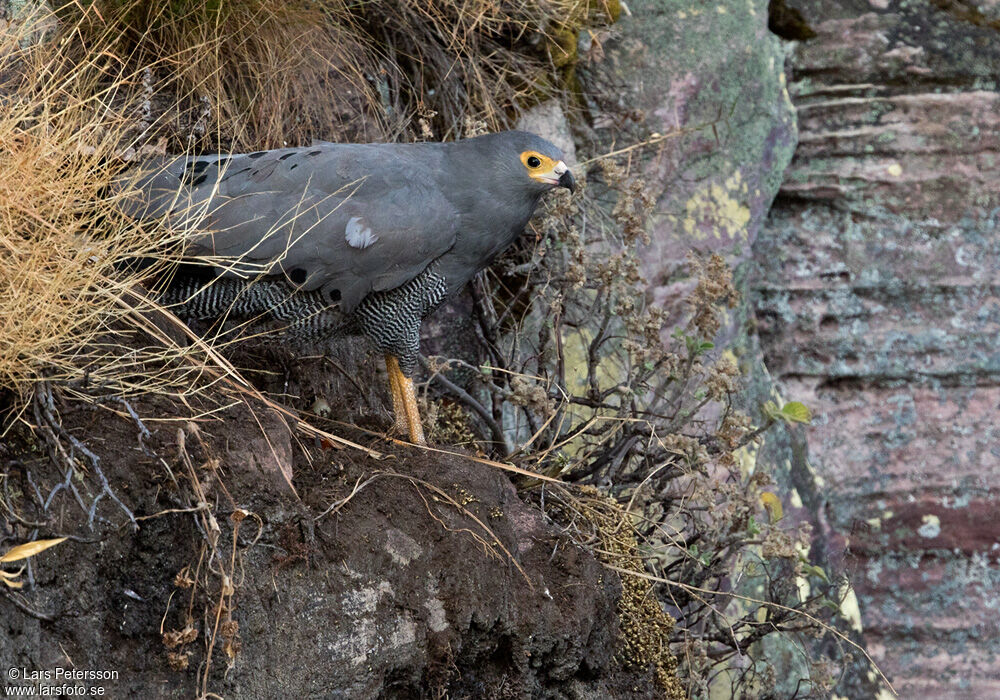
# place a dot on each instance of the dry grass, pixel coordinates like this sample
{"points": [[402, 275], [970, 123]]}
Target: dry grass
{"points": [[251, 74], [61, 237], [241, 75], [73, 306], [454, 62]]}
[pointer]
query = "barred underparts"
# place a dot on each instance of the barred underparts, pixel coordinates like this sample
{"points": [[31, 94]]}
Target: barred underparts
{"points": [[390, 319]]}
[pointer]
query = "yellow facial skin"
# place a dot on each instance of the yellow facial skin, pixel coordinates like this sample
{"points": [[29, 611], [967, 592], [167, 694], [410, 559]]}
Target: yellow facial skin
{"points": [[542, 168]]}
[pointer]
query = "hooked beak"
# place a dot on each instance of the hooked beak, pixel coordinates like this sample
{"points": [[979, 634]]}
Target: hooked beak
{"points": [[565, 176], [568, 181]]}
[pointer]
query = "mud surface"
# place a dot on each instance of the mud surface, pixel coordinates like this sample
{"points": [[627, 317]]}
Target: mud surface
{"points": [[434, 577]]}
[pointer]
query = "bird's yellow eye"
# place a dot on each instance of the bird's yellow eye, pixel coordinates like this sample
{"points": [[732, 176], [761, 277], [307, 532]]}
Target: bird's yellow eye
{"points": [[533, 160]]}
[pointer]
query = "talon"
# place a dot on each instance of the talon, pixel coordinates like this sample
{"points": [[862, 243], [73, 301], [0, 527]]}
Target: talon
{"points": [[404, 402]]}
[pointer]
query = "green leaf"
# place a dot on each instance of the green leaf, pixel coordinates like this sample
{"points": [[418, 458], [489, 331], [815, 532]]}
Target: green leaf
{"points": [[813, 570], [795, 412]]}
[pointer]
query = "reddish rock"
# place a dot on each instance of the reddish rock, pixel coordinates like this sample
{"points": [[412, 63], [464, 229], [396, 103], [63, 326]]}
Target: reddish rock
{"points": [[876, 294]]}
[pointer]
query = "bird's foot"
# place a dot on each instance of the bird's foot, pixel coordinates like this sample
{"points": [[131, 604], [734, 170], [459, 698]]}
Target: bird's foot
{"points": [[404, 403]]}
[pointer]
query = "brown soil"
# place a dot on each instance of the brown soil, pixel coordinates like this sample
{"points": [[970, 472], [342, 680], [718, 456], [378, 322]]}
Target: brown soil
{"points": [[434, 580]]}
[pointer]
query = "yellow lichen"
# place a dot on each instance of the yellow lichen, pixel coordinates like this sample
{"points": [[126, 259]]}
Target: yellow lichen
{"points": [[720, 208], [849, 606]]}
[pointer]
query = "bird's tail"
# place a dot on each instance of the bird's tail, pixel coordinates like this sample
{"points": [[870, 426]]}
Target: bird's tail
{"points": [[286, 311]]}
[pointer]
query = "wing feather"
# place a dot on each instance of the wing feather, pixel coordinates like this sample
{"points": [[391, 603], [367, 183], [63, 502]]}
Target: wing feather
{"points": [[290, 211]]}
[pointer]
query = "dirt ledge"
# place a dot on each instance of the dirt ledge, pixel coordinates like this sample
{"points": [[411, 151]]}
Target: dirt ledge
{"points": [[399, 594]]}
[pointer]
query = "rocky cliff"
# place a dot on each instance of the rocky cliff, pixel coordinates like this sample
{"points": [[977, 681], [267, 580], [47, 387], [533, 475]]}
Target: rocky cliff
{"points": [[875, 293]]}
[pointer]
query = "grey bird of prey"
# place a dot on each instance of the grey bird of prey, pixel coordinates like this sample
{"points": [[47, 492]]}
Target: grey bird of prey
{"points": [[348, 238]]}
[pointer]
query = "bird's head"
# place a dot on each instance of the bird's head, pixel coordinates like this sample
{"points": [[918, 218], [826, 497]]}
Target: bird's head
{"points": [[528, 162]]}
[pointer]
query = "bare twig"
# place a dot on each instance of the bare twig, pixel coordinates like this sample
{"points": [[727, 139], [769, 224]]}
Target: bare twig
{"points": [[45, 414], [27, 609]]}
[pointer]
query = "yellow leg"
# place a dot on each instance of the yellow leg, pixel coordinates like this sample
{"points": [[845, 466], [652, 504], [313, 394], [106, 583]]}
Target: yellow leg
{"points": [[404, 400], [398, 406]]}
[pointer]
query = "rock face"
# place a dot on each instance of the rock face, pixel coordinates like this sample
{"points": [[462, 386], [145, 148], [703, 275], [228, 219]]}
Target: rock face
{"points": [[704, 86], [876, 295]]}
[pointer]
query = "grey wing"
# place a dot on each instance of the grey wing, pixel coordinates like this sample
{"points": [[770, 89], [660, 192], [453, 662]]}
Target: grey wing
{"points": [[347, 219]]}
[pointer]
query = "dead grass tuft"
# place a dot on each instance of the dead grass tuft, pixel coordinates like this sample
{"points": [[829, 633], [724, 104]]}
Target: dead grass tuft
{"points": [[62, 240], [253, 74], [240, 75], [452, 63]]}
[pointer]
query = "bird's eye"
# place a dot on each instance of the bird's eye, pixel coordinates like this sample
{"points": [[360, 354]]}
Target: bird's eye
{"points": [[533, 162]]}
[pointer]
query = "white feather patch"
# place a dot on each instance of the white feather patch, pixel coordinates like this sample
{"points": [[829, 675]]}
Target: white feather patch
{"points": [[358, 233]]}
